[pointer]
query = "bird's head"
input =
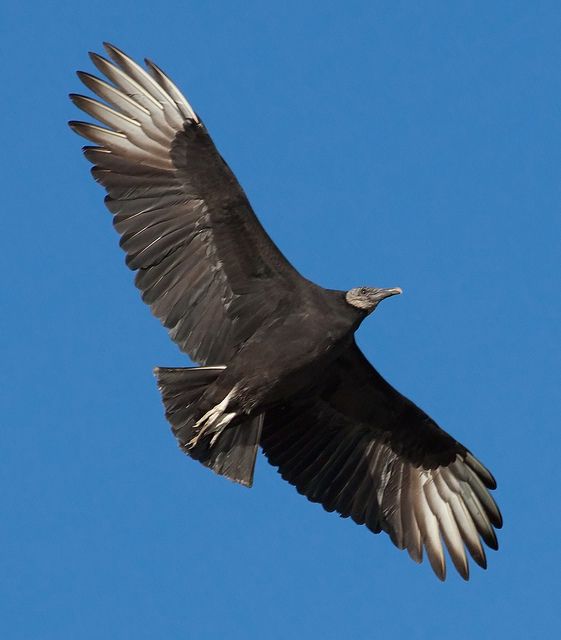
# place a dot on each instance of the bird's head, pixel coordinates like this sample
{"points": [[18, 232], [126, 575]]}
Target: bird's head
{"points": [[368, 298]]}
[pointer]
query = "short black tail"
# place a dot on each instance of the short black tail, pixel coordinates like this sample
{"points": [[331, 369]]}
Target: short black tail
{"points": [[234, 451]]}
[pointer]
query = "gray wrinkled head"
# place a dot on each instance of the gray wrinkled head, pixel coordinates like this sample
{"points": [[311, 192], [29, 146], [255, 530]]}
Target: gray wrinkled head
{"points": [[368, 298]]}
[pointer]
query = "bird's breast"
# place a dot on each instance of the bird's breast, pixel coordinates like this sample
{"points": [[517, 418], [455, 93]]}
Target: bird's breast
{"points": [[285, 358]]}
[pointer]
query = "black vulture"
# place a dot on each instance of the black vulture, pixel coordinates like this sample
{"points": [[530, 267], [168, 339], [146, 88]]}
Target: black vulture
{"points": [[280, 368]]}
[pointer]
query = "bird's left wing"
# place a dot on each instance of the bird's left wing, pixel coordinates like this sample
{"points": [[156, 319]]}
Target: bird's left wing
{"points": [[365, 451], [204, 263]]}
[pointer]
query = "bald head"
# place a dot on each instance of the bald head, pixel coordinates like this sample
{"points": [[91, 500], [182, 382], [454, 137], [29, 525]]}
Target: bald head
{"points": [[368, 298]]}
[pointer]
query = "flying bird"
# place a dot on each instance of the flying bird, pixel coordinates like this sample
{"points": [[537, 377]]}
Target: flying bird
{"points": [[280, 368]]}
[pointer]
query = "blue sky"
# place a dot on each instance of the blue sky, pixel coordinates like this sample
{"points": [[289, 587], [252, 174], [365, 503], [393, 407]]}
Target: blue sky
{"points": [[383, 143]]}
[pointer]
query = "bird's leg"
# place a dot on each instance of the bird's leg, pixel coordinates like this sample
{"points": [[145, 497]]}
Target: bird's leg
{"points": [[213, 420]]}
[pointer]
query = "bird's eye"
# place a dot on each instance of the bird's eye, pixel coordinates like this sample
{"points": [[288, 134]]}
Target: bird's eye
{"points": [[363, 291]]}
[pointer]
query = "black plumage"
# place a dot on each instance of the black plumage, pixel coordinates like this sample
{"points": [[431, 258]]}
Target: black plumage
{"points": [[281, 369]]}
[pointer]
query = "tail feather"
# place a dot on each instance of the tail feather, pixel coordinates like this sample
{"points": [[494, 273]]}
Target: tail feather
{"points": [[232, 453], [235, 451]]}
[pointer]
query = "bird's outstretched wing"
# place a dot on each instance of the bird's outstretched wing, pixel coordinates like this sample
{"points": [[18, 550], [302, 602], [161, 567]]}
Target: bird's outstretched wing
{"points": [[204, 263], [365, 451]]}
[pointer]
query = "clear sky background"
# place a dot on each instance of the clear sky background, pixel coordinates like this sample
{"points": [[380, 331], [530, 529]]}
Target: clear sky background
{"points": [[384, 143]]}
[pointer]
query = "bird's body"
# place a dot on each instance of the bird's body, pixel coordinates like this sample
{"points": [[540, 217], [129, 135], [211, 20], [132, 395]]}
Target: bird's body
{"points": [[290, 355], [280, 366], [289, 352]]}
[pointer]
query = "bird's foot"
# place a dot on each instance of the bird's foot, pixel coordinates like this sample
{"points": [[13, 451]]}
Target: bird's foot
{"points": [[210, 426], [214, 420]]}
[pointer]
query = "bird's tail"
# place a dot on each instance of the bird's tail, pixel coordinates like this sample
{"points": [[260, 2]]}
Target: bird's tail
{"points": [[230, 452]]}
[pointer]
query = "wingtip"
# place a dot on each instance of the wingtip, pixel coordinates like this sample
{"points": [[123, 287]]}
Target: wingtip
{"points": [[493, 543], [152, 66], [481, 470], [440, 574], [108, 46], [84, 76], [480, 559], [463, 569], [116, 54], [96, 58]]}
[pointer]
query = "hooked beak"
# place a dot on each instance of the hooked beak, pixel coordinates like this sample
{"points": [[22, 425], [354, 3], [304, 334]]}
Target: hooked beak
{"points": [[386, 293]]}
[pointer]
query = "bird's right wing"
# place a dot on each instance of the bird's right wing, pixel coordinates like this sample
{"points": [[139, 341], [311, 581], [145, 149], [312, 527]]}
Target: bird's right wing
{"points": [[365, 451], [204, 263]]}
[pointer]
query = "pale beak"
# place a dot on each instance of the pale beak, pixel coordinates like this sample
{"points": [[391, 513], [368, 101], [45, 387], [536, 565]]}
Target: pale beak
{"points": [[386, 293]]}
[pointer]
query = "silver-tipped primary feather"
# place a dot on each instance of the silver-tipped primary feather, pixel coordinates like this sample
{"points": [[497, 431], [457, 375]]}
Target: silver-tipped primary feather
{"points": [[126, 105], [103, 113], [180, 100], [145, 80], [448, 528]]}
